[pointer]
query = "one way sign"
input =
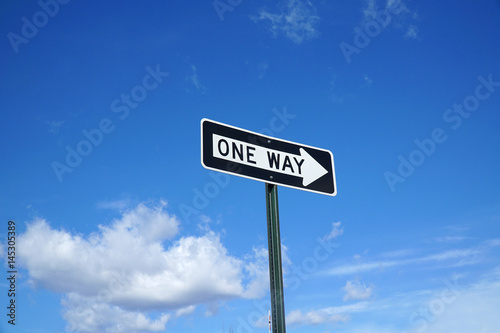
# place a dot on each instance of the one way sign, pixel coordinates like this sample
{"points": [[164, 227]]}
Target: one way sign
{"points": [[252, 155]]}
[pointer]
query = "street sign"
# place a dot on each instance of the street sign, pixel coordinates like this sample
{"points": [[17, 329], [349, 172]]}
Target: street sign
{"points": [[252, 155]]}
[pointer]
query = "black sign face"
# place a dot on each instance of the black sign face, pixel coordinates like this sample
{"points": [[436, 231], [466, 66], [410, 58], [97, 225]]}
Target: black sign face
{"points": [[252, 155]]}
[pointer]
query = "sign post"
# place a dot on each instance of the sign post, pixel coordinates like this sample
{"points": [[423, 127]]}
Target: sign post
{"points": [[275, 162], [275, 270]]}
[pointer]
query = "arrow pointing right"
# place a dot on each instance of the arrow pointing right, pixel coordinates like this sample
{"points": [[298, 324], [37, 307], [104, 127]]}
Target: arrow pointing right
{"points": [[313, 168]]}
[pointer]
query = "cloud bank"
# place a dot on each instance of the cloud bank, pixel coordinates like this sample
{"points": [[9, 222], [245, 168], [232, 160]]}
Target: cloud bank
{"points": [[114, 278]]}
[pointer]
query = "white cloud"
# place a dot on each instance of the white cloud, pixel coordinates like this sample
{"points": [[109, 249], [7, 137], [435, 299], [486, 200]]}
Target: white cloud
{"points": [[336, 231], [399, 253], [195, 80], [314, 317], [471, 309], [452, 258], [262, 321], [370, 11], [55, 126], [336, 314], [451, 239], [262, 69], [412, 32], [133, 266], [185, 311], [212, 309], [456, 229], [402, 19], [87, 315], [360, 268], [118, 205], [348, 309], [335, 97], [297, 20], [368, 81], [390, 3], [490, 243], [451, 306], [357, 290], [257, 270]]}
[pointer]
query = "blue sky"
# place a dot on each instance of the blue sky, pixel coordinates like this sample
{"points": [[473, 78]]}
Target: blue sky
{"points": [[119, 228]]}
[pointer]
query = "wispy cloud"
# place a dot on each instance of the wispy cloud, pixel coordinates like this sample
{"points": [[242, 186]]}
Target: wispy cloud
{"points": [[412, 32], [297, 20], [118, 205], [314, 317], [262, 69], [404, 20], [399, 253], [449, 306], [451, 239], [335, 97], [336, 314], [194, 80], [452, 258], [367, 81], [369, 11], [54, 126], [474, 310], [335, 232], [360, 268]]}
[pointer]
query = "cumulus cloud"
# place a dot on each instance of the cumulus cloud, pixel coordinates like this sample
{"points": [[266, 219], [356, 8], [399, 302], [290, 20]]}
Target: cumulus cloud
{"points": [[135, 265], [297, 20], [87, 315], [357, 290], [257, 271]]}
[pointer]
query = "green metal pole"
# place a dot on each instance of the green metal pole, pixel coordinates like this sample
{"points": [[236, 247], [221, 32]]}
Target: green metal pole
{"points": [[275, 272]]}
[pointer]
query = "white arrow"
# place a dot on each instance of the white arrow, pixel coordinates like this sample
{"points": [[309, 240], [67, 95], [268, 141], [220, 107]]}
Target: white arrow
{"points": [[303, 165]]}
